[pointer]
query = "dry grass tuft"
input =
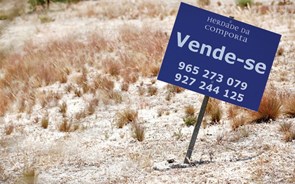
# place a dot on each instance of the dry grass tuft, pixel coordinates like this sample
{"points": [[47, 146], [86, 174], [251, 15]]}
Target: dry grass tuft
{"points": [[78, 92], [125, 117], [152, 90], [138, 131], [189, 110], [289, 136], [237, 122], [44, 122], [241, 133], [116, 96], [203, 3], [80, 115], [112, 67], [280, 51], [190, 117], [214, 110], [28, 176], [9, 129], [289, 106], [91, 106], [66, 126], [288, 132], [63, 109], [285, 127], [174, 89], [124, 86], [103, 83], [269, 109]]}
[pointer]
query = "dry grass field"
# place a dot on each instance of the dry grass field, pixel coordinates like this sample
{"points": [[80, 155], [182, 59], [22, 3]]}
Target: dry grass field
{"points": [[80, 101]]}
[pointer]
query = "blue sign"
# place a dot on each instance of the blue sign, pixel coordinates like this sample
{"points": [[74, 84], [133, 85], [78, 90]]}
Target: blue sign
{"points": [[218, 56]]}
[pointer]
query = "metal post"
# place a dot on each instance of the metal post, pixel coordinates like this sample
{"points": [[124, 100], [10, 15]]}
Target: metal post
{"points": [[196, 130]]}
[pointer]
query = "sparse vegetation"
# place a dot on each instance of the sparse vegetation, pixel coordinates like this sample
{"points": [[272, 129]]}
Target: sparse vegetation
{"points": [[289, 106], [112, 67], [280, 51], [285, 127], [178, 134], [214, 111], [241, 133], [67, 126], [289, 136], [152, 90], [269, 109], [45, 4], [288, 132], [138, 131], [237, 122], [124, 87], [203, 2], [45, 19], [13, 12], [189, 110], [44, 122], [28, 175], [174, 89], [125, 117], [91, 106], [93, 72], [113, 95], [63, 109], [9, 129], [190, 120]]}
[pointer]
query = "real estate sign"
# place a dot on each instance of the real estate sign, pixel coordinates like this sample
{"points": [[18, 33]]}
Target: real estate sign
{"points": [[219, 57]]}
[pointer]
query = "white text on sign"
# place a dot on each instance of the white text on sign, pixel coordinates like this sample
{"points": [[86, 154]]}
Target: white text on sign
{"points": [[219, 54]]}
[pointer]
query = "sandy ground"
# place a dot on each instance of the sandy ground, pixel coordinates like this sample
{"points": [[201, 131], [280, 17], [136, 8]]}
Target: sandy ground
{"points": [[102, 153]]}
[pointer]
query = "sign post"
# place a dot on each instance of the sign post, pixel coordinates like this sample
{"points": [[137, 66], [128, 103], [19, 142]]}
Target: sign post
{"points": [[219, 57], [196, 130]]}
